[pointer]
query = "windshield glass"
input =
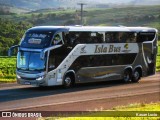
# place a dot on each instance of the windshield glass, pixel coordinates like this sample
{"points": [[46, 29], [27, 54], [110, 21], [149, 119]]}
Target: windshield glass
{"points": [[37, 39], [30, 61]]}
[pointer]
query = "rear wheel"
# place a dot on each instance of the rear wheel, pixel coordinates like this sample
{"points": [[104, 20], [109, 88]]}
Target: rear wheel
{"points": [[136, 76], [126, 76]]}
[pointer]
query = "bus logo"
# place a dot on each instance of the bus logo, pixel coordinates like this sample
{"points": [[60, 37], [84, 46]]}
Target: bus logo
{"points": [[107, 49], [83, 49], [126, 46]]}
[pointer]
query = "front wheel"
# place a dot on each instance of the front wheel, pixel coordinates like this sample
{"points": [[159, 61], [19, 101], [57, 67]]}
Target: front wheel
{"points": [[68, 82], [136, 76]]}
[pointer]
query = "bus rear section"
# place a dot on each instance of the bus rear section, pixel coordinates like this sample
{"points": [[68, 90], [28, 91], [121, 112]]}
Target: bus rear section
{"points": [[149, 51]]}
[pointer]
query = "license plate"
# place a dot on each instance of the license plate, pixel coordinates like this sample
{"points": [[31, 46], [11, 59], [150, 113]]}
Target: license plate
{"points": [[27, 83]]}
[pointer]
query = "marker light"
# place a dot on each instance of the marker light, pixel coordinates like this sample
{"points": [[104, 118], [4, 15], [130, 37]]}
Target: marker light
{"points": [[18, 76]]}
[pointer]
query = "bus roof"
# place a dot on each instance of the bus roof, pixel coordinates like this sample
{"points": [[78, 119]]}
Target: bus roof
{"points": [[48, 28], [94, 28]]}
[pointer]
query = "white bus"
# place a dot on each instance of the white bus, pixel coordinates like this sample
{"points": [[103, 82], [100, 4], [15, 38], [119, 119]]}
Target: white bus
{"points": [[65, 55]]}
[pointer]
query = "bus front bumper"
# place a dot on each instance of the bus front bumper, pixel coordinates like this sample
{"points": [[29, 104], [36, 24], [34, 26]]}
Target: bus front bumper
{"points": [[31, 82], [31, 79]]}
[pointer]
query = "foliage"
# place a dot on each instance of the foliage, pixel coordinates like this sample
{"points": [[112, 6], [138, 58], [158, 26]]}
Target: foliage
{"points": [[4, 80], [158, 58], [158, 63], [10, 34], [7, 67]]}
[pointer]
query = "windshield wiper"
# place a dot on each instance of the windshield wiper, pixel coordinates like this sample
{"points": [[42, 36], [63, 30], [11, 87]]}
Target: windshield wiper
{"points": [[23, 68], [35, 69]]}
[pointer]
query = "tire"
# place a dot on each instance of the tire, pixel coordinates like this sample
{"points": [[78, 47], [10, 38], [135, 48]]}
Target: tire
{"points": [[126, 76], [136, 76], [68, 82]]}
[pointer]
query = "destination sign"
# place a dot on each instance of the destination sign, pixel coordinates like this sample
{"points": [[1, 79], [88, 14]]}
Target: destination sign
{"points": [[34, 41]]}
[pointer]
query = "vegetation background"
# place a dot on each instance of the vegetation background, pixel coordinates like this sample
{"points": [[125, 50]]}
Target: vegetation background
{"points": [[15, 21]]}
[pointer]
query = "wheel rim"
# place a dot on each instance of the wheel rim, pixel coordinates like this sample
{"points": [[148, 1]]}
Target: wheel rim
{"points": [[67, 81], [126, 77], [136, 75]]}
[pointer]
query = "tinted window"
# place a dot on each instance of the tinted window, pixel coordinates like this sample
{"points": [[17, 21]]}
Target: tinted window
{"points": [[57, 39], [30, 61], [104, 60], [74, 38], [36, 39], [120, 37], [58, 55], [145, 36]]}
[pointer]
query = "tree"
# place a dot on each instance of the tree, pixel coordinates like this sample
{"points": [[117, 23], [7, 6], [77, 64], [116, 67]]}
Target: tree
{"points": [[11, 34]]}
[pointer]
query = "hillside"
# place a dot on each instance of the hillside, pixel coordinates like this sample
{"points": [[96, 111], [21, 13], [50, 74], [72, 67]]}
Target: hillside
{"points": [[129, 16], [41, 4], [32, 4]]}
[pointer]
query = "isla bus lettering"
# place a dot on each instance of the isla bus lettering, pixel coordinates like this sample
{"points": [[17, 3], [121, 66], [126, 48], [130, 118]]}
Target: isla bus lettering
{"points": [[103, 49]]}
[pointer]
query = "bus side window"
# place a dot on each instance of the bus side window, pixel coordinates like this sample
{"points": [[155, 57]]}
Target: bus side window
{"points": [[57, 39], [131, 37], [51, 61], [121, 37], [145, 36], [134, 37], [96, 37], [73, 38], [109, 37], [100, 37], [68, 39], [82, 38]]}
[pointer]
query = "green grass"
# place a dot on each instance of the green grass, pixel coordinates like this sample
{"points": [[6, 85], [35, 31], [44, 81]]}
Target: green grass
{"points": [[158, 58], [158, 64], [7, 69], [7, 80], [118, 113]]}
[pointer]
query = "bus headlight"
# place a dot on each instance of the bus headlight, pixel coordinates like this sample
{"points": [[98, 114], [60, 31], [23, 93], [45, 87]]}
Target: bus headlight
{"points": [[40, 78], [18, 76]]}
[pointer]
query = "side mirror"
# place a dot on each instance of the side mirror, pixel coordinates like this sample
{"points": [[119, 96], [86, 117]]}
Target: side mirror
{"points": [[9, 53]]}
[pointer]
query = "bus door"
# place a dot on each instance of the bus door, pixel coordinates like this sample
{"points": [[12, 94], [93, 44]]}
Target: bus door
{"points": [[53, 61]]}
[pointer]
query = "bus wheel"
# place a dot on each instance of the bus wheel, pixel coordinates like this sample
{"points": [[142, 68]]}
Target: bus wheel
{"points": [[68, 82], [136, 76], [126, 76]]}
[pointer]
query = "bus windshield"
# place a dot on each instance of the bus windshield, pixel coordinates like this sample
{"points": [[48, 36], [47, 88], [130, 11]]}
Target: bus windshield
{"points": [[30, 61], [36, 39]]}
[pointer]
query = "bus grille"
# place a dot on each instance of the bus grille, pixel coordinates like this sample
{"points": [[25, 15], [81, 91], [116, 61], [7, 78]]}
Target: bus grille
{"points": [[28, 78]]}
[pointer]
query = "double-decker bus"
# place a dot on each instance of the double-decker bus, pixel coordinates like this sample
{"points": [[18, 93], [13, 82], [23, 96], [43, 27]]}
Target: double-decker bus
{"points": [[65, 55]]}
